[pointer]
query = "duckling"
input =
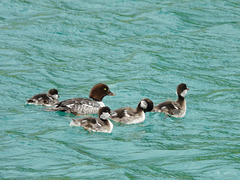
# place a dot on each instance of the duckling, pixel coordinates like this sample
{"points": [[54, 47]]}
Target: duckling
{"points": [[101, 124], [177, 108], [45, 99], [128, 115]]}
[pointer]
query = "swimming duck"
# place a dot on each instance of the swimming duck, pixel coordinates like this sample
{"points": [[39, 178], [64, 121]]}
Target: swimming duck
{"points": [[45, 99], [177, 108], [128, 115], [101, 124], [80, 106]]}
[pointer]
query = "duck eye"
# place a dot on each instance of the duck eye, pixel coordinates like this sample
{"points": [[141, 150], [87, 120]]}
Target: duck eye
{"points": [[105, 89]]}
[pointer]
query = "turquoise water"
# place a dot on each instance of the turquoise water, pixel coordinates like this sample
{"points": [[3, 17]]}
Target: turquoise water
{"points": [[140, 49]]}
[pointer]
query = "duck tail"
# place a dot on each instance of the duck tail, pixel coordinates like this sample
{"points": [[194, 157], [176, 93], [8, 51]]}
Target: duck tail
{"points": [[29, 101]]}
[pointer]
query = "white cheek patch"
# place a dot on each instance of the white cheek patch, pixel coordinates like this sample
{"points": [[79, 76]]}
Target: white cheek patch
{"points": [[104, 115], [55, 96], [183, 94], [144, 105]]}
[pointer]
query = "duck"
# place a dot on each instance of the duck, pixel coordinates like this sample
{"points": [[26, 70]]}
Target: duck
{"points": [[81, 106], [101, 124], [129, 115], [46, 99], [177, 108]]}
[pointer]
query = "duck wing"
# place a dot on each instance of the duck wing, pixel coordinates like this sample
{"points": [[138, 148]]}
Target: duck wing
{"points": [[168, 107], [38, 99], [78, 106], [123, 112], [90, 123]]}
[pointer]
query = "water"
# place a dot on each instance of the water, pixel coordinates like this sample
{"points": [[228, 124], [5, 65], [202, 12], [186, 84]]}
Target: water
{"points": [[140, 49]]}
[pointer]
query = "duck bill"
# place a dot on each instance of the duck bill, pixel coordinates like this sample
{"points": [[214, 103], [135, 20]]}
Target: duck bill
{"points": [[110, 94]]}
